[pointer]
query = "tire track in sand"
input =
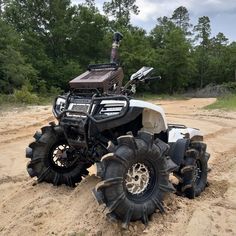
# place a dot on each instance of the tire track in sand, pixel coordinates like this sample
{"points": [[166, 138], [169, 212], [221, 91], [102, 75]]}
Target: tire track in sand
{"points": [[23, 132], [44, 209]]}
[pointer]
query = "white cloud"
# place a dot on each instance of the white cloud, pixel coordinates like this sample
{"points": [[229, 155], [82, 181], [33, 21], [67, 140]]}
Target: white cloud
{"points": [[222, 13], [152, 9]]}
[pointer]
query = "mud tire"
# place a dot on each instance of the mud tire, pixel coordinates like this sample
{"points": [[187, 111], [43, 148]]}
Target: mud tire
{"points": [[195, 170], [122, 204], [40, 164]]}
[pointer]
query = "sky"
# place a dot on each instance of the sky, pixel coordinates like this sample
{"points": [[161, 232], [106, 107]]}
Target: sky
{"points": [[222, 13]]}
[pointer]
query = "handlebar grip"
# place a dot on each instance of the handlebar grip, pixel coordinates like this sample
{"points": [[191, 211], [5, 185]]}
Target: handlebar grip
{"points": [[154, 78]]}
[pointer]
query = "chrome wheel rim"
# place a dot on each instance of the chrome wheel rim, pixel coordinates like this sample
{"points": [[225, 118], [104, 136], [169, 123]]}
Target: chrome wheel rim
{"points": [[137, 179], [57, 157]]}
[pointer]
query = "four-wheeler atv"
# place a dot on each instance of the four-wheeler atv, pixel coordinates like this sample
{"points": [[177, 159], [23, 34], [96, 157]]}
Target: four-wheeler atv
{"points": [[129, 141]]}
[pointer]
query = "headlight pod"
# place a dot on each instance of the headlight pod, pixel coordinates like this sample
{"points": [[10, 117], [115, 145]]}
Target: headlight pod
{"points": [[59, 105]]}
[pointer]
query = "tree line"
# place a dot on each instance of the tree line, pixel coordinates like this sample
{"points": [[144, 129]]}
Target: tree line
{"points": [[44, 44]]}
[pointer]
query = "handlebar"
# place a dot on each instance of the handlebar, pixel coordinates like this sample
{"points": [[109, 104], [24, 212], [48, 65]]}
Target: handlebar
{"points": [[144, 79]]}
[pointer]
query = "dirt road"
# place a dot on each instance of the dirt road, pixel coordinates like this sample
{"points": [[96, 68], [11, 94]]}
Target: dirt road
{"points": [[42, 209]]}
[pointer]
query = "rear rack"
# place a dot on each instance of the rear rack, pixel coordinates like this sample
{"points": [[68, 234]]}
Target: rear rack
{"points": [[107, 78], [109, 66]]}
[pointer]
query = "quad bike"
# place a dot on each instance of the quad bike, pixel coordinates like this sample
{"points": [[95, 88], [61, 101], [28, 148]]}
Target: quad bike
{"points": [[129, 141]]}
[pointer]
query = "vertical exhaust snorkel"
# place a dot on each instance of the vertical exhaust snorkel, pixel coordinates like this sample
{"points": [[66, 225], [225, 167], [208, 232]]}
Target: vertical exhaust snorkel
{"points": [[117, 37]]}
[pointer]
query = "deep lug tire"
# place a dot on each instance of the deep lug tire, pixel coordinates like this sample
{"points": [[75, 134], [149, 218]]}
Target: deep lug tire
{"points": [[195, 170], [41, 164], [141, 156]]}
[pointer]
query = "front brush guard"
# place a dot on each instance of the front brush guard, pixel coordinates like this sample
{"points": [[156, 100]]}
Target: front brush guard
{"points": [[82, 124], [97, 99]]}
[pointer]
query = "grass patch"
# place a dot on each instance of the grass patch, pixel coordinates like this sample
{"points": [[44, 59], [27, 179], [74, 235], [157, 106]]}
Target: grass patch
{"points": [[17, 100], [151, 96], [227, 102]]}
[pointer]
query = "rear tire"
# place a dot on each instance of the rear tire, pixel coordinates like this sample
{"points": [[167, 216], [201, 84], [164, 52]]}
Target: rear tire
{"points": [[195, 170], [134, 178], [43, 164]]}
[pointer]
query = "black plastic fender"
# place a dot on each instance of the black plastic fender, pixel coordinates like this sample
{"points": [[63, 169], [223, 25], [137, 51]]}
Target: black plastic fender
{"points": [[177, 150]]}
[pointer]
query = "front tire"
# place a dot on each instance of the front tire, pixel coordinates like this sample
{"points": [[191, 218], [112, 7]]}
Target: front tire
{"points": [[135, 177], [46, 159]]}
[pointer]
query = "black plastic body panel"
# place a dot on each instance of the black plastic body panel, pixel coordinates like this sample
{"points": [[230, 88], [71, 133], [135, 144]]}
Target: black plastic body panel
{"points": [[131, 115], [177, 150]]}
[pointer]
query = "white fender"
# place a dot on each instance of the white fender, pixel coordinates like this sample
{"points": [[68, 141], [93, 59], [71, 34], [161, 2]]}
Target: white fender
{"points": [[154, 119], [180, 133]]}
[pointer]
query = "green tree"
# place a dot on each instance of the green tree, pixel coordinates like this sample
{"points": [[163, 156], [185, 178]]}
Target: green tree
{"points": [[232, 62], [88, 36], [161, 30], [48, 20], [176, 61], [219, 58], [203, 32], [136, 51], [220, 40], [59, 39], [49, 42], [121, 10], [181, 19], [14, 71], [44, 26], [173, 55]]}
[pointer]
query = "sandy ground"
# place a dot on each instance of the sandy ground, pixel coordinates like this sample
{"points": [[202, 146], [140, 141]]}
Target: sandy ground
{"points": [[42, 209]]}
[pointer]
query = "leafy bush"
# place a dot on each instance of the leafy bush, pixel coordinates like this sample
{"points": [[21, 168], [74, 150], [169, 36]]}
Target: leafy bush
{"points": [[6, 99], [25, 96], [230, 86], [55, 91], [2, 100]]}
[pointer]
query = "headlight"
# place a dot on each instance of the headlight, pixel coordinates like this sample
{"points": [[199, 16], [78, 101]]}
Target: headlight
{"points": [[59, 105]]}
